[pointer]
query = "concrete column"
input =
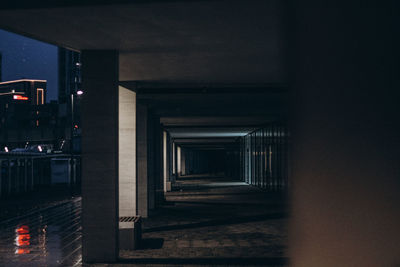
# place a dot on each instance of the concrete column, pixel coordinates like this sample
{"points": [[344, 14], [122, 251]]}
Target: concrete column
{"points": [[141, 157], [151, 159], [165, 161], [100, 156], [178, 160], [154, 160], [127, 152], [183, 161], [173, 158], [345, 196], [173, 161]]}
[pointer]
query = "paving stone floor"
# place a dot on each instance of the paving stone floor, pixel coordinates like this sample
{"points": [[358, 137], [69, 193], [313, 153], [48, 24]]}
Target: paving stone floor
{"points": [[45, 235], [205, 221], [210, 221]]}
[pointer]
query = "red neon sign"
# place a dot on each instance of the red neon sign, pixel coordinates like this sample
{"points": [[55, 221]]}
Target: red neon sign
{"points": [[20, 97]]}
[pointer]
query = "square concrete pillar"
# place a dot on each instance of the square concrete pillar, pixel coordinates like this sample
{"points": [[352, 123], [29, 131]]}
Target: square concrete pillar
{"points": [[183, 161], [158, 189], [165, 163], [178, 161], [151, 160], [127, 152], [173, 159], [141, 158], [99, 156]]}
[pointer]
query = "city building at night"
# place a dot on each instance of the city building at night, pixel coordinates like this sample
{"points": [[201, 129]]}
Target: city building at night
{"points": [[69, 99], [25, 115]]}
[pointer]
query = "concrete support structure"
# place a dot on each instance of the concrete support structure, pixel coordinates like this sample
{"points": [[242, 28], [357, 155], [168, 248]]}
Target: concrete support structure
{"points": [[178, 161], [174, 159], [142, 163], [158, 188], [127, 152], [345, 199], [100, 156], [183, 161], [151, 159], [165, 159]]}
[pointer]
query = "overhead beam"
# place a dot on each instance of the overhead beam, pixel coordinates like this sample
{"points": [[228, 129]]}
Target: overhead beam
{"points": [[217, 140], [28, 4], [203, 88], [213, 121]]}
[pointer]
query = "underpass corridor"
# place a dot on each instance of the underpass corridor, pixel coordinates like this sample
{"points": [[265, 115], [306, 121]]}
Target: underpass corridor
{"points": [[208, 220]]}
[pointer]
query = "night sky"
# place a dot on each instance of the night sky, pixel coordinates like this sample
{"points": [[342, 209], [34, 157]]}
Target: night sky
{"points": [[27, 58]]}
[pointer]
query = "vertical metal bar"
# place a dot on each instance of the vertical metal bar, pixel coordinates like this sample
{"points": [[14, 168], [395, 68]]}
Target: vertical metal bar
{"points": [[281, 153], [277, 138], [32, 175], [25, 175], [263, 157], [255, 159], [275, 158], [16, 178], [259, 157], [269, 157], [1, 179], [9, 177]]}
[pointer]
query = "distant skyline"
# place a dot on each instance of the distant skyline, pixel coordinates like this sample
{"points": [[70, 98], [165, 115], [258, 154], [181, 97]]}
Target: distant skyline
{"points": [[24, 57]]}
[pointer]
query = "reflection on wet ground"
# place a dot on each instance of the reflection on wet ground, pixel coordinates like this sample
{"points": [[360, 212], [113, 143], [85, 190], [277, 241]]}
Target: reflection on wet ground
{"points": [[47, 237], [207, 221]]}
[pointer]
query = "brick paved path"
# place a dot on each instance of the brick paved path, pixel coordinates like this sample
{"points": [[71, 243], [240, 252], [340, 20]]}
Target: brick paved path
{"points": [[214, 222], [204, 222]]}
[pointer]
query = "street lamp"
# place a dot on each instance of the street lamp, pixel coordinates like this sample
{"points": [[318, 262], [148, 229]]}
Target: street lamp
{"points": [[73, 126]]}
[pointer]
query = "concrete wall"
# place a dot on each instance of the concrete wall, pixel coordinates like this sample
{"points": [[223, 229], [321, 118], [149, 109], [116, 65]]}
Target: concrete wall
{"points": [[127, 152], [345, 198]]}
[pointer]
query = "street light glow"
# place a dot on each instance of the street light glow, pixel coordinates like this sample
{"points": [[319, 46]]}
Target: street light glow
{"points": [[80, 92]]}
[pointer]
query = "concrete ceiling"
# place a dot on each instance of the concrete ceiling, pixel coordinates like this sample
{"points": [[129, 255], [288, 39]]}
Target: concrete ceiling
{"points": [[196, 116], [206, 41], [233, 52]]}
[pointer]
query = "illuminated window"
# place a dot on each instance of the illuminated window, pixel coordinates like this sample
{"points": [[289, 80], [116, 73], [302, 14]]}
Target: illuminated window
{"points": [[39, 96]]}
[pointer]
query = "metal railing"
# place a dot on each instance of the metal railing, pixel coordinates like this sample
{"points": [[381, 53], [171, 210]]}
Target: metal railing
{"points": [[22, 172]]}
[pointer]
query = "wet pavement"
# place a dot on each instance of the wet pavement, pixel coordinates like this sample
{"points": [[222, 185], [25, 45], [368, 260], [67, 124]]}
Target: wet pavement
{"points": [[205, 221], [49, 236], [214, 221]]}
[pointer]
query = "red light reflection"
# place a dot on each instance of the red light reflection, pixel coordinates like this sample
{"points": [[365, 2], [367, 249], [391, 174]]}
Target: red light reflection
{"points": [[22, 240], [24, 229], [22, 251]]}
